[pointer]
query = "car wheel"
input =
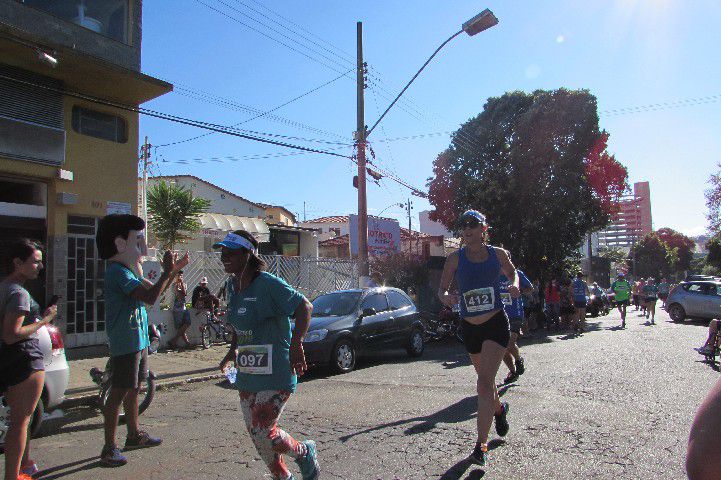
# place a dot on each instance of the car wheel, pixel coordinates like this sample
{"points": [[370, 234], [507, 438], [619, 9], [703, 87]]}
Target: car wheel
{"points": [[415, 343], [676, 312], [343, 357]]}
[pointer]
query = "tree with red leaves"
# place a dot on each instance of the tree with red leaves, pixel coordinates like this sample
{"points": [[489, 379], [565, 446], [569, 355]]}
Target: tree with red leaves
{"points": [[442, 189], [677, 240], [606, 177]]}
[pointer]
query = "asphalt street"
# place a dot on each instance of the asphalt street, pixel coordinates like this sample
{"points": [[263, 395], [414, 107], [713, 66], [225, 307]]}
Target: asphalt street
{"points": [[608, 404]]}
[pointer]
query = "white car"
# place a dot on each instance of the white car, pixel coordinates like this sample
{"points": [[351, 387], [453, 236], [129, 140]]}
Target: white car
{"points": [[57, 373]]}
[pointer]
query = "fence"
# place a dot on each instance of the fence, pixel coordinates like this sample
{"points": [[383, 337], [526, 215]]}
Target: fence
{"points": [[311, 276]]}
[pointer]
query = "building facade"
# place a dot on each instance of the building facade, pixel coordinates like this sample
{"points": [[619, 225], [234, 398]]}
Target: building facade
{"points": [[632, 221], [69, 81]]}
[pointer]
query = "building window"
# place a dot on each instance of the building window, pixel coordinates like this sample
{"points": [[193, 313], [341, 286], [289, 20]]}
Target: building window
{"points": [[106, 17], [335, 231], [99, 125]]}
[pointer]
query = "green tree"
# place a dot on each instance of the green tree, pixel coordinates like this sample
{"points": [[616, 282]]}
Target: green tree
{"points": [[714, 251], [522, 161], [652, 257], [713, 202], [173, 213], [617, 256]]}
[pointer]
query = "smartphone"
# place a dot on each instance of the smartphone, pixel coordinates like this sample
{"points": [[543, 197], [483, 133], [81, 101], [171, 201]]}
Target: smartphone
{"points": [[53, 301]]}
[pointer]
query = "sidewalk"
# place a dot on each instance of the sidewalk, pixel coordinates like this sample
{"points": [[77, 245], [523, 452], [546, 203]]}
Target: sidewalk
{"points": [[170, 367]]}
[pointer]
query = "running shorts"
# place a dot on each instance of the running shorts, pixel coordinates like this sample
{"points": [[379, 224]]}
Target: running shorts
{"points": [[649, 299], [18, 361], [620, 303], [580, 303], [495, 329]]}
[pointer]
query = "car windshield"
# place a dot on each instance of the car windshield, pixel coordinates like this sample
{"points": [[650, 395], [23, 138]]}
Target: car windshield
{"points": [[335, 304]]}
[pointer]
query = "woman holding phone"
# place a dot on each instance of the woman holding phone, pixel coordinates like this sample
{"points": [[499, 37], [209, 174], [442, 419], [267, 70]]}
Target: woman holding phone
{"points": [[22, 372]]}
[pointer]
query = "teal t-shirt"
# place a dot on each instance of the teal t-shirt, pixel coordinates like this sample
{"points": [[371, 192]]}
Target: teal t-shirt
{"points": [[261, 315], [126, 321], [650, 291]]}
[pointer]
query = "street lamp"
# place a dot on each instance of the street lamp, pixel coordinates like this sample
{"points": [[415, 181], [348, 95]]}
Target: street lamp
{"points": [[483, 21]]}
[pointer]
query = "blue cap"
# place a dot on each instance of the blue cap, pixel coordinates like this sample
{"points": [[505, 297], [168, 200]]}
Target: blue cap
{"points": [[234, 242], [475, 214]]}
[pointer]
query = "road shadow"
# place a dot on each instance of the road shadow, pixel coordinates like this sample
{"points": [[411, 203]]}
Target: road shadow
{"points": [[457, 471], [461, 411], [72, 421], [616, 328], [69, 469]]}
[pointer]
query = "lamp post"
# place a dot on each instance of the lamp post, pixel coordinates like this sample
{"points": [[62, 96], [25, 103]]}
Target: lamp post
{"points": [[483, 21]]}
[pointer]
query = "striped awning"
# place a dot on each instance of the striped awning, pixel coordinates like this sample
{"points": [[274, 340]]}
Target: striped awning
{"points": [[215, 223]]}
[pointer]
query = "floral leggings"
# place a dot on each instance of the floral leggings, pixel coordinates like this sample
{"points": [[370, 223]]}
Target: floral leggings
{"points": [[261, 411]]}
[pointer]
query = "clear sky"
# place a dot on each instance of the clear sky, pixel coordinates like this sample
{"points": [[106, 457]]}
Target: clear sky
{"points": [[628, 53]]}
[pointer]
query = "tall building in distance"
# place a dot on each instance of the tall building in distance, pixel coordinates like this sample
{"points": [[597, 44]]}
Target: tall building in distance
{"points": [[631, 222]]}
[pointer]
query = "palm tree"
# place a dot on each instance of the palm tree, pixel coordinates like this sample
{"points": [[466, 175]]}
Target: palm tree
{"points": [[174, 213]]}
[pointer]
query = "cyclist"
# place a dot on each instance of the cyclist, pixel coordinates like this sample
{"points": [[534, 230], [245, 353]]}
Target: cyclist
{"points": [[268, 358], [477, 268], [714, 339], [622, 290]]}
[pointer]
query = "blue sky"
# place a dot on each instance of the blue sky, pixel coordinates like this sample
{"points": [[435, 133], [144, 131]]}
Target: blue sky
{"points": [[629, 53]]}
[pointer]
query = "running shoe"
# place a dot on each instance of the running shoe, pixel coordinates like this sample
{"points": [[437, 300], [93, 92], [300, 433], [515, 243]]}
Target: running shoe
{"points": [[309, 467], [24, 476], [501, 420], [510, 378], [520, 367], [141, 440], [479, 454], [705, 350], [30, 470], [111, 457]]}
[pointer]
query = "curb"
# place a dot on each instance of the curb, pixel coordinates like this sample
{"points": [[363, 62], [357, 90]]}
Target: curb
{"points": [[84, 399]]}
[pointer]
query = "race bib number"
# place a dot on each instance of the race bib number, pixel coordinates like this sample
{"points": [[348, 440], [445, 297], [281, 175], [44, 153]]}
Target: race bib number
{"points": [[479, 300], [255, 359], [506, 299]]}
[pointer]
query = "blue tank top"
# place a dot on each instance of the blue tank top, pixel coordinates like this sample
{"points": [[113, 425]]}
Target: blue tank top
{"points": [[479, 284]]}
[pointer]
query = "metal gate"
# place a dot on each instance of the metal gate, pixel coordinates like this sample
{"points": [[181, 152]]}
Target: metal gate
{"points": [[85, 304]]}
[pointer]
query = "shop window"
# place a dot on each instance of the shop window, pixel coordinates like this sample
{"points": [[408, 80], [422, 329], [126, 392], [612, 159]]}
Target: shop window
{"points": [[99, 125]]}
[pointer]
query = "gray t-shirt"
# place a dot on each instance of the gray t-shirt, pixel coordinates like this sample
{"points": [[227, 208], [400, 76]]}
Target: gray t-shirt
{"points": [[15, 299]]}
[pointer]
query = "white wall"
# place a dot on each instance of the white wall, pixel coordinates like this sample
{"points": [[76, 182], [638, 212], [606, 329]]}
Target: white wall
{"points": [[430, 227], [221, 202], [326, 227]]}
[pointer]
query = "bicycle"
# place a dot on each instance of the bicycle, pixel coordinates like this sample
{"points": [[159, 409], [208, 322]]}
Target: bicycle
{"points": [[214, 325]]}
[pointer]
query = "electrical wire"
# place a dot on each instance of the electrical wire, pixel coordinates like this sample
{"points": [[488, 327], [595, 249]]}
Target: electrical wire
{"points": [[262, 114], [173, 118]]}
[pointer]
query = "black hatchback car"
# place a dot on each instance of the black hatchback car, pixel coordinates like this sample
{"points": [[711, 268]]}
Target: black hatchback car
{"points": [[349, 323]]}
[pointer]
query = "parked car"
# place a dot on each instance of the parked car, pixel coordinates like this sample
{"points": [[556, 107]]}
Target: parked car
{"points": [[56, 380], [697, 299], [349, 323]]}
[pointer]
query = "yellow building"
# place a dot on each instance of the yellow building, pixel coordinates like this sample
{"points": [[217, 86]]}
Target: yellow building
{"points": [[69, 79]]}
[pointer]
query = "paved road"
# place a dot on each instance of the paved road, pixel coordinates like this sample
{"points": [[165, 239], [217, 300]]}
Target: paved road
{"points": [[608, 404]]}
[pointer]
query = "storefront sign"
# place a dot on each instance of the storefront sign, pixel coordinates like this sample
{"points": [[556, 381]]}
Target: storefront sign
{"points": [[384, 235]]}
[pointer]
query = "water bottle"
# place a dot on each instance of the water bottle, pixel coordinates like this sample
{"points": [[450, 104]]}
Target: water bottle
{"points": [[230, 374]]}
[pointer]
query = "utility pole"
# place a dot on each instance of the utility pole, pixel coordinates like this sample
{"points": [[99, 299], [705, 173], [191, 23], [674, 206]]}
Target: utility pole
{"points": [[408, 208], [304, 210], [145, 158], [361, 144]]}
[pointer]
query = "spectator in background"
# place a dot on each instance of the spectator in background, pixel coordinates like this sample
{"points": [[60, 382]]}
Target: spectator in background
{"points": [[568, 311], [553, 303], [181, 315], [202, 299], [663, 290]]}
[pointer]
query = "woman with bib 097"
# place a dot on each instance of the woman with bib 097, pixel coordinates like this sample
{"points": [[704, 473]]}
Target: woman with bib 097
{"points": [[266, 351], [477, 268]]}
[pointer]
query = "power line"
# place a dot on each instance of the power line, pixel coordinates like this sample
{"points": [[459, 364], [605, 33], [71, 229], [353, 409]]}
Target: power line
{"points": [[173, 118], [262, 114], [689, 102]]}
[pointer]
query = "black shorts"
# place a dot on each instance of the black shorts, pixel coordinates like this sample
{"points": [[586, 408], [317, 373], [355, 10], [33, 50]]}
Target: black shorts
{"points": [[580, 303], [650, 300], [622, 303], [495, 329], [18, 361], [129, 370], [516, 324]]}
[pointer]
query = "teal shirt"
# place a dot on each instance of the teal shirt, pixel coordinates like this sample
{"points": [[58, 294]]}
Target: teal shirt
{"points": [[261, 315], [650, 291], [126, 321]]}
